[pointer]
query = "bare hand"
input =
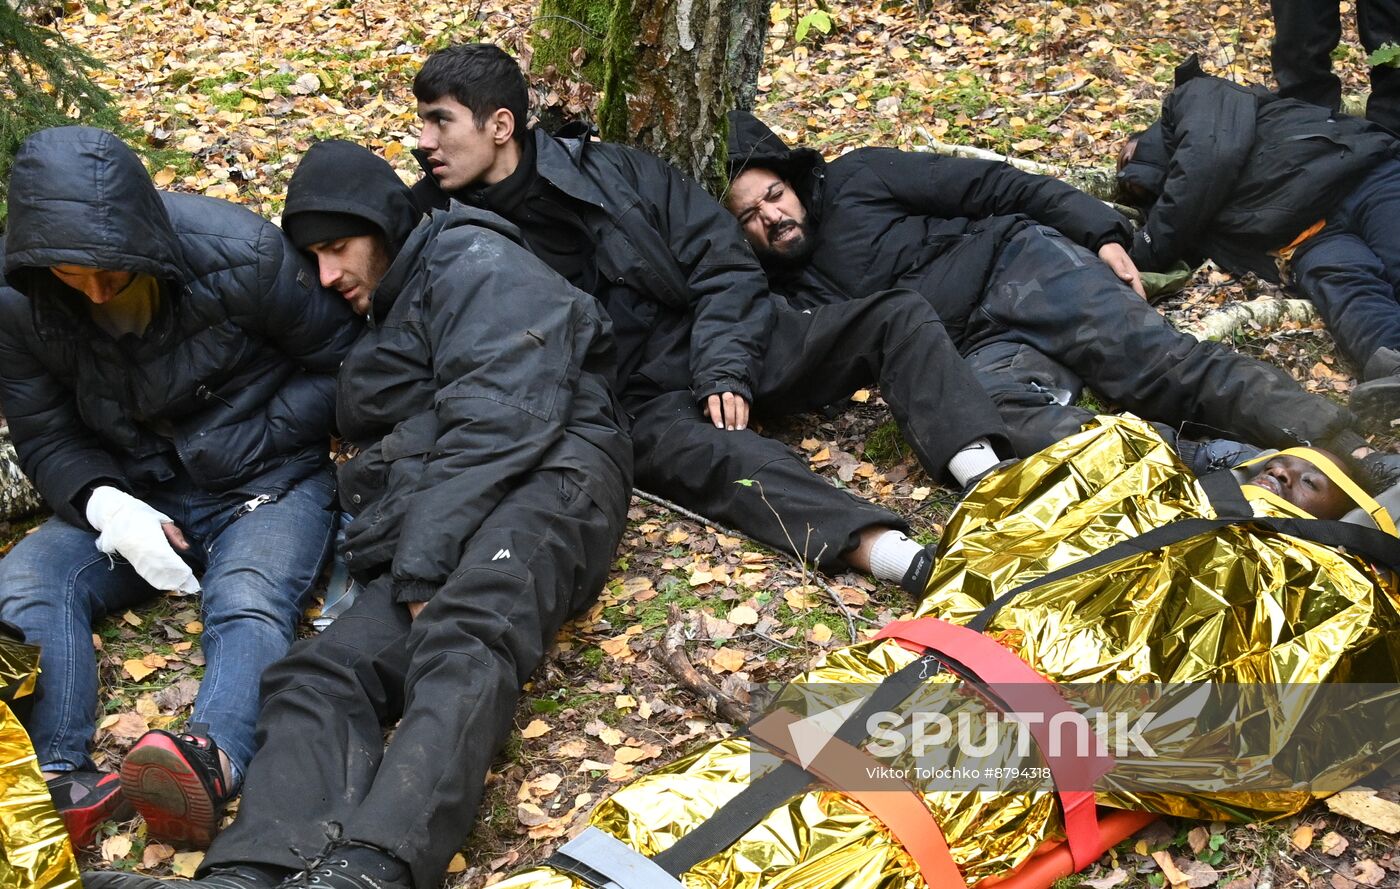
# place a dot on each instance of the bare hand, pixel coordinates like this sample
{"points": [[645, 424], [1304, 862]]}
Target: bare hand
{"points": [[727, 411], [175, 536], [1117, 259], [415, 608]]}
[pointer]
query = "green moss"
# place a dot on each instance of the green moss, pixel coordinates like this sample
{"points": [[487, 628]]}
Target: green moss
{"points": [[572, 24], [885, 444]]}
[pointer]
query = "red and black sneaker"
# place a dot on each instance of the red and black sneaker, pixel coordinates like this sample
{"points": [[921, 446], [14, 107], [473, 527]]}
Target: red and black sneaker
{"points": [[85, 799], [177, 784]]}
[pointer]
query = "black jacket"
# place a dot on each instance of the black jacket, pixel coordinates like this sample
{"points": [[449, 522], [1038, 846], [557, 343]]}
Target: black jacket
{"points": [[233, 382], [480, 365], [1238, 172], [687, 298], [887, 218]]}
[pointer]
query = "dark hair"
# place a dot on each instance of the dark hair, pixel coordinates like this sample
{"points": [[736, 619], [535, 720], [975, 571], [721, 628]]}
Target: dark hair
{"points": [[481, 77]]}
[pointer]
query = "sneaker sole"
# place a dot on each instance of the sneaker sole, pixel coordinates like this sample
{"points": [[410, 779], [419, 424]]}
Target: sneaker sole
{"points": [[82, 824], [1378, 400], [161, 786]]}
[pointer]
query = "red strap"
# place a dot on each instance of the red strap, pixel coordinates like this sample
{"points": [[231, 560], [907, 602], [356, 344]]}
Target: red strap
{"points": [[861, 777], [1020, 689]]}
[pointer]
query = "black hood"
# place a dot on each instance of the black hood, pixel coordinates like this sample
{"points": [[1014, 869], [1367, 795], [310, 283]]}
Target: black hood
{"points": [[341, 177], [1148, 168], [752, 144], [80, 196]]}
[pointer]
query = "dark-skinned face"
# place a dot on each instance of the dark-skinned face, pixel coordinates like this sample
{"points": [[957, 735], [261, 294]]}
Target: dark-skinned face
{"points": [[1304, 485]]}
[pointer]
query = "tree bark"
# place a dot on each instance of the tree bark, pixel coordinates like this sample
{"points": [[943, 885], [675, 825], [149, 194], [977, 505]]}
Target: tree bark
{"points": [[668, 84], [668, 70], [572, 37], [1099, 182], [17, 496]]}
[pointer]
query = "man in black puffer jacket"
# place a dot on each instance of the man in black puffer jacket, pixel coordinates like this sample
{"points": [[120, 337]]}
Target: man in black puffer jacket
{"points": [[1034, 312], [167, 366], [700, 338], [1251, 181], [489, 494]]}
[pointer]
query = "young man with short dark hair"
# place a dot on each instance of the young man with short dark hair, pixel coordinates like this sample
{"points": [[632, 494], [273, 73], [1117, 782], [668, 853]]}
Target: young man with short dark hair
{"points": [[700, 341], [489, 494]]}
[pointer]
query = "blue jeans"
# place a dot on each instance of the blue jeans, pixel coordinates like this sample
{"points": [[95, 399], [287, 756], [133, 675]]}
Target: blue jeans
{"points": [[258, 567], [1351, 269]]}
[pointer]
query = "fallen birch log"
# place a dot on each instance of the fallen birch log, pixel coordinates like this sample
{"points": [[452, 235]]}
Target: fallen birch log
{"points": [[1096, 181], [17, 496], [1266, 312]]}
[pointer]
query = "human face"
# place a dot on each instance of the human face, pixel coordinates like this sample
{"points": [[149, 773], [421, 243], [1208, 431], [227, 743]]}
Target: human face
{"points": [[98, 285], [1303, 485], [1130, 193], [771, 215], [461, 153], [353, 267]]}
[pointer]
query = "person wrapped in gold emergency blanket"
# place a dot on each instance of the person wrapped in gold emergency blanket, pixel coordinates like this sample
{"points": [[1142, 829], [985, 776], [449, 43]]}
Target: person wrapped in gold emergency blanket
{"points": [[1096, 575], [36, 853]]}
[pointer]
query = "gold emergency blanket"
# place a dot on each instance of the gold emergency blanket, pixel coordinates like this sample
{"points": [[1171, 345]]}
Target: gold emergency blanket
{"points": [[1234, 605], [36, 851]]}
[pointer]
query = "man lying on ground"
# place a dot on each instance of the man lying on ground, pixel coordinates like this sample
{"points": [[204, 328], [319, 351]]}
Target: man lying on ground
{"points": [[1034, 312], [700, 341], [1255, 183], [489, 494], [167, 366]]}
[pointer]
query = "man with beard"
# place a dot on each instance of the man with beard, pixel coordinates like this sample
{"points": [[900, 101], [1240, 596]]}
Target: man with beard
{"points": [[1035, 313], [698, 337], [489, 494]]}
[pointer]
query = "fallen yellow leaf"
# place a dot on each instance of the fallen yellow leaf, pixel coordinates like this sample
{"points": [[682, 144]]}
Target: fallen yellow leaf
{"points": [[743, 615], [536, 728], [728, 660]]}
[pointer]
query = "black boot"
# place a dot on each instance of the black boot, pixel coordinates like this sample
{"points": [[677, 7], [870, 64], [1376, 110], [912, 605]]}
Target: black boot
{"points": [[1378, 397], [350, 865], [238, 876]]}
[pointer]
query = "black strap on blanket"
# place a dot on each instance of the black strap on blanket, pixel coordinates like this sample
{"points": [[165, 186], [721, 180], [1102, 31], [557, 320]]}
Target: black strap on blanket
{"points": [[1229, 503], [742, 813]]}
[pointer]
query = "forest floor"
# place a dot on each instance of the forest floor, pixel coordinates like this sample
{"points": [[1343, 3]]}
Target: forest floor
{"points": [[227, 95]]}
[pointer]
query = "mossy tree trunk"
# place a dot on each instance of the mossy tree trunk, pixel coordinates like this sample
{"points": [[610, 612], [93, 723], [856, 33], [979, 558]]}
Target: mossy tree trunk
{"points": [[570, 37], [671, 70]]}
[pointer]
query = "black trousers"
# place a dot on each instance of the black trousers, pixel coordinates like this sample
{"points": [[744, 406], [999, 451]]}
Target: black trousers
{"points": [[451, 679], [1306, 32], [1053, 315], [816, 357]]}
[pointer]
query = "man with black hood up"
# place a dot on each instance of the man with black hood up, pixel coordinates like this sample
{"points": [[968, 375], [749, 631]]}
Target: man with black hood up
{"points": [[700, 338], [1254, 182], [167, 366], [1034, 312], [489, 494]]}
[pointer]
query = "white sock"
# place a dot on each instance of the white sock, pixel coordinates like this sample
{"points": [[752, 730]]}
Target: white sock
{"points": [[892, 554], [972, 461]]}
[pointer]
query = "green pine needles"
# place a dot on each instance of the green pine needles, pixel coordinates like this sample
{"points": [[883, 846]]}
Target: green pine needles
{"points": [[44, 82]]}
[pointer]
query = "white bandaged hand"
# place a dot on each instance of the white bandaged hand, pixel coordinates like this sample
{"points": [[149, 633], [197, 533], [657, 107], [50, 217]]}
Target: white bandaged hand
{"points": [[132, 529]]}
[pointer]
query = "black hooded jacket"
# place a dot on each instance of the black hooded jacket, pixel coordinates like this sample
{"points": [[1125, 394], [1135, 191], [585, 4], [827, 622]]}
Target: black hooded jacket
{"points": [[1236, 172], [478, 366], [887, 218], [233, 381], [687, 298]]}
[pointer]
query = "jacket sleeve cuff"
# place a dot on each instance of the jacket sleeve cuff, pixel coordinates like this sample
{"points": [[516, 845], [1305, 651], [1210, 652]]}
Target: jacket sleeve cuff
{"points": [[1141, 253], [715, 387], [406, 591]]}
